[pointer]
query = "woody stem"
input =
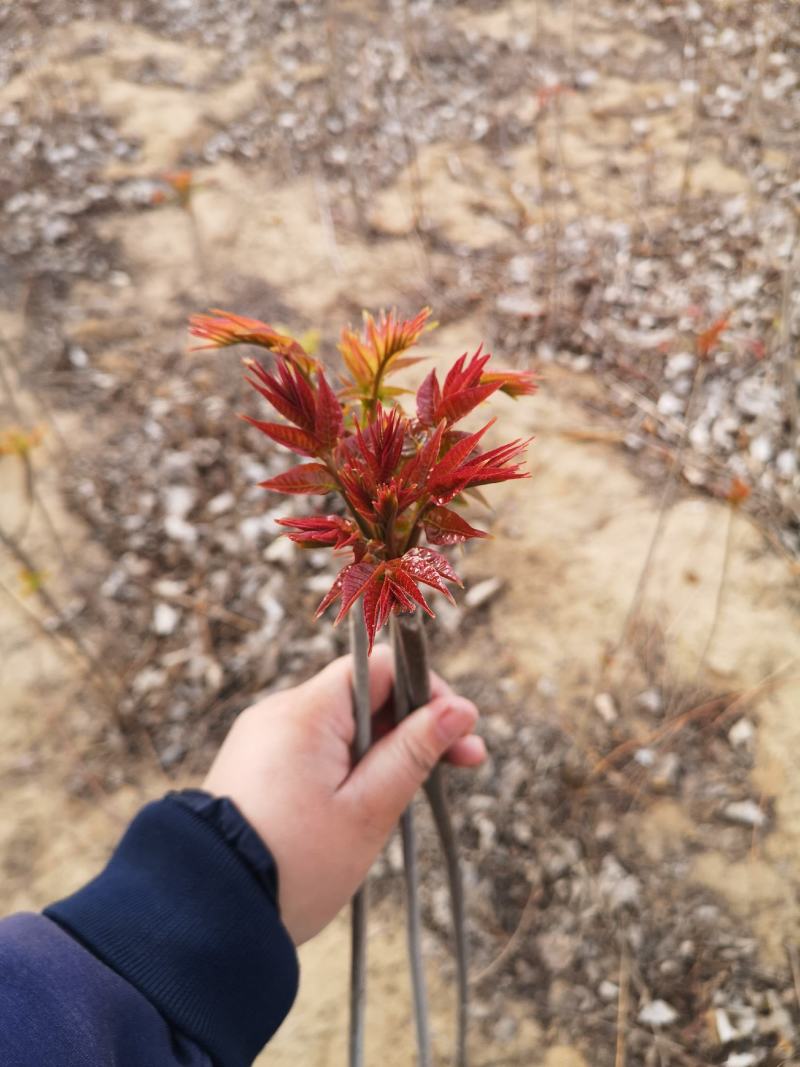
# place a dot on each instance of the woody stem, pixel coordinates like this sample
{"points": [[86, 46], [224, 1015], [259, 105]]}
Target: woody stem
{"points": [[403, 705], [410, 637], [358, 963]]}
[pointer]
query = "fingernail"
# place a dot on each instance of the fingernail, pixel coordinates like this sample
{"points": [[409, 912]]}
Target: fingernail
{"points": [[455, 719]]}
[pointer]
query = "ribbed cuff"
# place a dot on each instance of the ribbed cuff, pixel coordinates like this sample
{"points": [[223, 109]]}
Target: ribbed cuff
{"points": [[188, 918]]}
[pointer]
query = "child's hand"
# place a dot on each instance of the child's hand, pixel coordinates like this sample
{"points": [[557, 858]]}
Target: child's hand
{"points": [[286, 764]]}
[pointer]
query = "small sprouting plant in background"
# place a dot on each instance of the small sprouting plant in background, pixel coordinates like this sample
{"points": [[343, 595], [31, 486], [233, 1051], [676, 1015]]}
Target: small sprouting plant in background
{"points": [[401, 477]]}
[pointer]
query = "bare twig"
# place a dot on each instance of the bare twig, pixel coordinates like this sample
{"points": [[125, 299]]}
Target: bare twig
{"points": [[667, 498], [691, 144], [211, 611], [358, 962], [513, 943], [22, 557], [723, 579], [794, 964], [326, 219], [64, 450], [622, 1007], [718, 710], [786, 367]]}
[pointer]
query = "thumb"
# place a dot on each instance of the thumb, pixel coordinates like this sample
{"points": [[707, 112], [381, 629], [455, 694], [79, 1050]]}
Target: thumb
{"points": [[385, 781]]}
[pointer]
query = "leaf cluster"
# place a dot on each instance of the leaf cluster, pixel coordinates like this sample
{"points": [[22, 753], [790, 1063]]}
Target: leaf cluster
{"points": [[401, 477]]}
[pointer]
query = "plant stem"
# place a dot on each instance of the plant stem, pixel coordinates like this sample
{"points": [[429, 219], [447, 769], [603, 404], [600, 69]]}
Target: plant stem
{"points": [[358, 962], [437, 798], [415, 664], [402, 707]]}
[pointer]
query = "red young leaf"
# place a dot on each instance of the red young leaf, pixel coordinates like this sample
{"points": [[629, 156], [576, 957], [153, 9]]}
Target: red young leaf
{"points": [[377, 607], [425, 565], [444, 526], [407, 590], [330, 530], [494, 466], [458, 405], [443, 473], [328, 419], [355, 579], [289, 392], [429, 396], [463, 375], [439, 562], [512, 382], [332, 595], [415, 471], [310, 478], [222, 328], [290, 436]]}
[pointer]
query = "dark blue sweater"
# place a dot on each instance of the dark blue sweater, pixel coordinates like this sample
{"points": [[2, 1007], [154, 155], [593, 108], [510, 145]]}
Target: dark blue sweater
{"points": [[174, 955]]}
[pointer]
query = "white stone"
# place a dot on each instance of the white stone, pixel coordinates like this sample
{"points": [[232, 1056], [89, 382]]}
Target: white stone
{"points": [[657, 1013], [744, 812], [606, 708], [449, 616], [754, 397], [114, 582], [177, 529], [483, 592], [318, 583], [165, 619], [169, 587], [274, 611], [520, 268], [523, 306], [786, 463], [743, 1059], [761, 448], [650, 700], [680, 363], [616, 884], [254, 527], [741, 734], [726, 1031], [221, 504], [178, 500], [669, 404], [148, 679], [281, 551]]}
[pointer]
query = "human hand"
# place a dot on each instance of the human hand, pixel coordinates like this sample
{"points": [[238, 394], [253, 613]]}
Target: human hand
{"points": [[287, 765]]}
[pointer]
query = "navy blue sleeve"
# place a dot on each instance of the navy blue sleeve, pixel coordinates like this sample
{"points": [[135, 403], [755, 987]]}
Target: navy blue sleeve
{"points": [[59, 1005], [174, 955]]}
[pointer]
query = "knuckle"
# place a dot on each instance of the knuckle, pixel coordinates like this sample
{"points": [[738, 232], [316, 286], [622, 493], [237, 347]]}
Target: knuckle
{"points": [[417, 756]]}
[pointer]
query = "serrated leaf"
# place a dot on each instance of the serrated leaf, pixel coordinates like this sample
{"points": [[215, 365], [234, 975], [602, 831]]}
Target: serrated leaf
{"points": [[429, 396], [289, 436], [355, 580], [310, 478], [459, 404], [328, 419], [443, 526]]}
